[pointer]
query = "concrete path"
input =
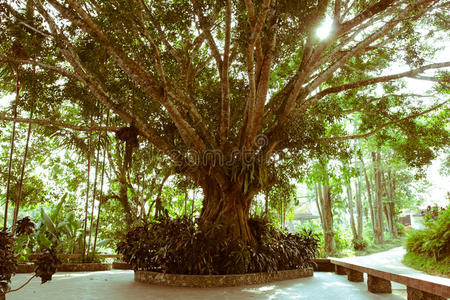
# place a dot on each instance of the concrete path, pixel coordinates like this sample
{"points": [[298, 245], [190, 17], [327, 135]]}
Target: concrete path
{"points": [[119, 284]]}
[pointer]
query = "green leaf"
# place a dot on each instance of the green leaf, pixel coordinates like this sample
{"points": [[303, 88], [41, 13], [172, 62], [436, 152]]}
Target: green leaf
{"points": [[48, 222]]}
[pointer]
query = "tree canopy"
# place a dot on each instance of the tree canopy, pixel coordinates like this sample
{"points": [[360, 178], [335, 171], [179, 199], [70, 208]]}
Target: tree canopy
{"points": [[241, 85]]}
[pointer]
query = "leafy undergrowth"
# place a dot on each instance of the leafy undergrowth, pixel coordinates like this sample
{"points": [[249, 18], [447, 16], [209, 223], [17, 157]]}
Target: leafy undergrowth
{"points": [[428, 249], [181, 246], [428, 264]]}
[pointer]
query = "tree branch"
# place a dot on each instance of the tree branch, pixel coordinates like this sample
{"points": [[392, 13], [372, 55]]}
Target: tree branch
{"points": [[45, 122], [379, 128], [308, 102]]}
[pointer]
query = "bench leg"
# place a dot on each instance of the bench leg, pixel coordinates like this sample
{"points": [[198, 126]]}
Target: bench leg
{"points": [[340, 270], [378, 285], [415, 294], [355, 276]]}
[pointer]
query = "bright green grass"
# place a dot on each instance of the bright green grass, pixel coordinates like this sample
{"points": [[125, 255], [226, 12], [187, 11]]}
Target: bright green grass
{"points": [[427, 264]]}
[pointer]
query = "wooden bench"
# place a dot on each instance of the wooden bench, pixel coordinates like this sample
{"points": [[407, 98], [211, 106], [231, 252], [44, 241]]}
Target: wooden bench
{"points": [[380, 281]]}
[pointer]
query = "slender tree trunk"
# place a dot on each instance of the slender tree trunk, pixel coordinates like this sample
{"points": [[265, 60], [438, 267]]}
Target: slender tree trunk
{"points": [[359, 209], [266, 204], [185, 202], [94, 194], [350, 210], [101, 185], [389, 206], [392, 185], [123, 192], [193, 203], [158, 204], [11, 153], [316, 197], [87, 194], [22, 175], [378, 211], [142, 196], [369, 196]]}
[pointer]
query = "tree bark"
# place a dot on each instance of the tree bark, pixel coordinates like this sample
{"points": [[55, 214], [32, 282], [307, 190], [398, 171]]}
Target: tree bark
{"points": [[87, 194], [369, 196], [11, 153], [94, 194], [359, 209], [350, 210], [324, 197], [123, 192], [228, 207], [378, 207], [22, 175]]}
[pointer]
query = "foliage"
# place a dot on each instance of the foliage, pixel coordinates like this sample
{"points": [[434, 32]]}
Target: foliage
{"points": [[359, 244], [401, 229], [183, 246], [46, 264], [25, 226], [432, 213], [57, 229], [8, 262], [427, 264], [434, 240]]}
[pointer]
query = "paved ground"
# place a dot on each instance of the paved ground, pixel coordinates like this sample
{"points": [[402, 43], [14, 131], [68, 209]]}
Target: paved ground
{"points": [[118, 284]]}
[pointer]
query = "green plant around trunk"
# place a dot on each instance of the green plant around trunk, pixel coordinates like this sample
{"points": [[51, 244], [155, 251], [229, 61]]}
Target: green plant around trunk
{"points": [[183, 246]]}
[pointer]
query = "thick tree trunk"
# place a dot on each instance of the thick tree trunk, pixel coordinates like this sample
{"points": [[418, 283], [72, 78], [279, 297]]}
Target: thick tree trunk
{"points": [[229, 208], [325, 209]]}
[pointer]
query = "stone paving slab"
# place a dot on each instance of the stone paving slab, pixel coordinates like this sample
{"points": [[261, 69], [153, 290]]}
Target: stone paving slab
{"points": [[119, 284]]}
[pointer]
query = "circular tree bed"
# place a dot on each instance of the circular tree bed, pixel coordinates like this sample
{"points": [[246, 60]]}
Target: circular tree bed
{"points": [[207, 281], [182, 252]]}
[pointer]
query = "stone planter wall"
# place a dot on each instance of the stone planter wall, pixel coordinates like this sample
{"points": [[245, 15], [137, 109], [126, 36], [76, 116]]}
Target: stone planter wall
{"points": [[120, 265], [72, 267], [25, 268], [84, 267], [205, 281]]}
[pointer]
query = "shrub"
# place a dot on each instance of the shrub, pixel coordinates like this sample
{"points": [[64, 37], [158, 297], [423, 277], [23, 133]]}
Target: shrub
{"points": [[25, 226], [46, 264], [401, 229], [182, 246], [8, 263], [359, 244], [434, 240]]}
